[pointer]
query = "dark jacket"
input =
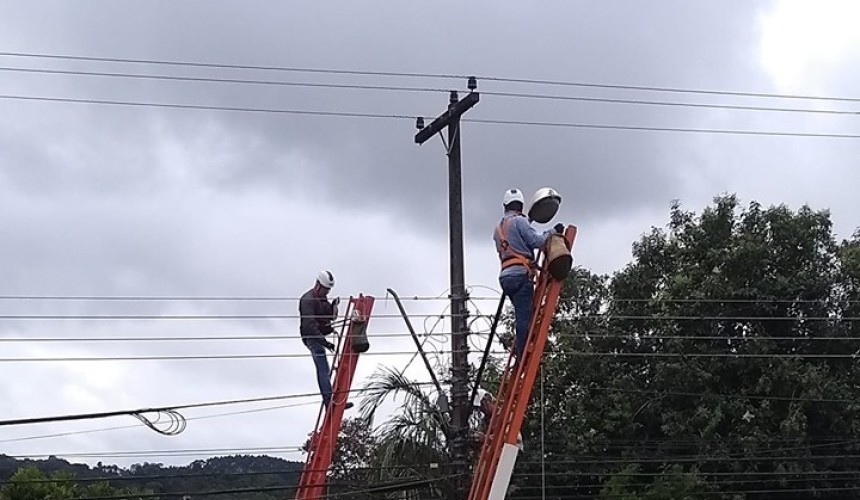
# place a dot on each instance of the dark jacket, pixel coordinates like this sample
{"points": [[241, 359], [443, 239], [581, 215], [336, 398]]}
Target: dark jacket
{"points": [[316, 315]]}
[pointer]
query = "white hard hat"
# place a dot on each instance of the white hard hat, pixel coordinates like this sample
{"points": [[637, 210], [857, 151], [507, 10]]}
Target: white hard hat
{"points": [[512, 195], [326, 279], [480, 394]]}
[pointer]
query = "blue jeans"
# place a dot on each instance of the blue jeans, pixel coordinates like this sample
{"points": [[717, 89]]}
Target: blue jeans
{"points": [[321, 362], [520, 290]]}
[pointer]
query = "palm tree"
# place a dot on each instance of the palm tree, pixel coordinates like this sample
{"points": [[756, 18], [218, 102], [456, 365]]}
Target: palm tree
{"points": [[412, 442]]}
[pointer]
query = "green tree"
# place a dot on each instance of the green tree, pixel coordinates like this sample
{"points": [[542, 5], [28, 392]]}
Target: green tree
{"points": [[672, 484], [726, 344], [414, 436], [32, 484]]}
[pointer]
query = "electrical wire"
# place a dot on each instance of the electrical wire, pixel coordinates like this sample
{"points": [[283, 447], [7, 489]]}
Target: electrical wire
{"points": [[707, 493], [180, 316], [150, 477], [380, 488], [448, 76], [342, 114], [438, 317], [430, 466], [347, 114], [222, 298], [190, 357], [197, 298], [165, 453], [596, 126], [208, 404], [762, 397], [389, 88], [122, 427], [210, 357]]}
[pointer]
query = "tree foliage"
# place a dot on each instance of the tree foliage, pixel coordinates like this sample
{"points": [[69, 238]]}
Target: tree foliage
{"points": [[30, 483], [725, 345]]}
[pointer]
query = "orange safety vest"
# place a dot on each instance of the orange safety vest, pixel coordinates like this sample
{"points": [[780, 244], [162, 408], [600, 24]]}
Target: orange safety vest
{"points": [[508, 256]]}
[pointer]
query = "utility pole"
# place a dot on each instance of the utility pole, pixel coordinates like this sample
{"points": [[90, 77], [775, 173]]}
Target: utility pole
{"points": [[461, 406]]}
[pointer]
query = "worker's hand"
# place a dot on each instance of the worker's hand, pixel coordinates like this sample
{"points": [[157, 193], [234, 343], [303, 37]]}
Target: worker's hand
{"points": [[559, 228], [329, 346]]}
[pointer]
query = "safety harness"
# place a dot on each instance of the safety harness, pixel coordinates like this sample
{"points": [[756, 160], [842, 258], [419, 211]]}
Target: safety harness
{"points": [[507, 255]]}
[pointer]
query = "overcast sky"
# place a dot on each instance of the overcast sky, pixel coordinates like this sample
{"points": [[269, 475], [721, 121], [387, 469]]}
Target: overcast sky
{"points": [[144, 201]]}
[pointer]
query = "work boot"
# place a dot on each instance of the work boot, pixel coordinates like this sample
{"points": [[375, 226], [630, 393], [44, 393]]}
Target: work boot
{"points": [[347, 406]]}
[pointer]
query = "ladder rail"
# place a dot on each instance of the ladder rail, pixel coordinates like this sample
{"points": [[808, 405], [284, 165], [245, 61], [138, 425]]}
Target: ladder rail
{"points": [[515, 388]]}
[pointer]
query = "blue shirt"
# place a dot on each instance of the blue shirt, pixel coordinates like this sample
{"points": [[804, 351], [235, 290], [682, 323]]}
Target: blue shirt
{"points": [[522, 239]]}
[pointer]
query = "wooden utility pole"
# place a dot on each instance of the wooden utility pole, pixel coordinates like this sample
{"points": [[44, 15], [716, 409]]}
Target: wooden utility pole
{"points": [[460, 403]]}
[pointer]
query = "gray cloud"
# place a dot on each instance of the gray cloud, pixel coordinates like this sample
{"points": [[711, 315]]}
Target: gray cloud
{"points": [[145, 201], [374, 163]]}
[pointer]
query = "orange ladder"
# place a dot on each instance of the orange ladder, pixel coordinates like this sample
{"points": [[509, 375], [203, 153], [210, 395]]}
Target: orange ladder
{"points": [[495, 464], [324, 439]]}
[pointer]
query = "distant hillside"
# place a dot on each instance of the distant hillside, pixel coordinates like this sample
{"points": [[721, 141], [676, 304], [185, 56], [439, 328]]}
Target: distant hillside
{"points": [[214, 474]]}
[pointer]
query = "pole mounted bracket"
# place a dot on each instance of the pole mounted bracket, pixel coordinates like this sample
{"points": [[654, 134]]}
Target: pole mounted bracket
{"points": [[455, 110]]}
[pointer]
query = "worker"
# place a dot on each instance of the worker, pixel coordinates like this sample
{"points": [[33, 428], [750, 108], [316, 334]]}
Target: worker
{"points": [[316, 314], [516, 240], [484, 401]]}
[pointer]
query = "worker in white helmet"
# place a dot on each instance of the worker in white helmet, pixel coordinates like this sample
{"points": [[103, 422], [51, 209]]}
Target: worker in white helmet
{"points": [[485, 402], [516, 240], [316, 314]]}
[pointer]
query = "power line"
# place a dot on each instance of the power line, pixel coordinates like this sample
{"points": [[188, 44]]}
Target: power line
{"points": [[188, 316], [166, 453], [211, 357], [227, 298], [345, 114], [201, 79], [706, 355], [188, 339], [717, 474], [122, 427], [150, 477], [656, 317], [705, 317], [703, 493], [659, 129], [189, 357], [208, 107], [215, 298], [208, 404], [287, 69], [678, 90], [447, 76], [617, 336], [720, 482], [520, 95], [716, 300], [735, 338], [608, 100], [723, 395], [379, 488], [601, 460]]}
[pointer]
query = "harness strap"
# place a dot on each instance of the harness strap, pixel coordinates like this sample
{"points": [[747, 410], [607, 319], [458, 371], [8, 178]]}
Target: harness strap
{"points": [[514, 258]]}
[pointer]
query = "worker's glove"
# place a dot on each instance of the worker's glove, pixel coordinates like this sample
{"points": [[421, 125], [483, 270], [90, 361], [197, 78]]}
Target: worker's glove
{"points": [[559, 228], [329, 346]]}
